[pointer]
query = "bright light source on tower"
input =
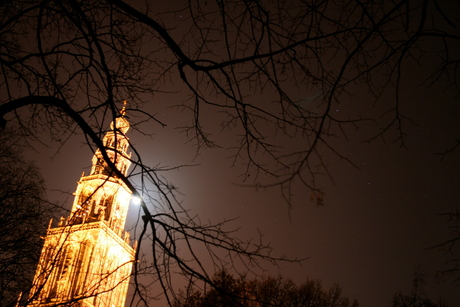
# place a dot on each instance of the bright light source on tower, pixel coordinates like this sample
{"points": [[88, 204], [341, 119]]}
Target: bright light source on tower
{"points": [[136, 200]]}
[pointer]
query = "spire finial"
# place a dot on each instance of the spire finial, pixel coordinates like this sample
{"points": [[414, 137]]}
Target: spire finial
{"points": [[123, 110]]}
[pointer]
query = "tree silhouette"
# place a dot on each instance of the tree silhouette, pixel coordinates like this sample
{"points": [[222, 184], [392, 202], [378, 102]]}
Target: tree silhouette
{"points": [[229, 291], [417, 298], [452, 245], [273, 70], [24, 211]]}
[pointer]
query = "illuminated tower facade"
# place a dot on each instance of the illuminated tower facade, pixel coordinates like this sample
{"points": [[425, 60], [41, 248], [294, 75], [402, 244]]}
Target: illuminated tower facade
{"points": [[87, 260]]}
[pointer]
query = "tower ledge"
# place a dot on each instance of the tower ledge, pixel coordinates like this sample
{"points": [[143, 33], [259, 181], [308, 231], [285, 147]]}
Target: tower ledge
{"points": [[102, 225]]}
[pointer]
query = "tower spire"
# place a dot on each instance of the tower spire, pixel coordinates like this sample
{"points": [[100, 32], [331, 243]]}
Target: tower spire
{"points": [[123, 110], [87, 258]]}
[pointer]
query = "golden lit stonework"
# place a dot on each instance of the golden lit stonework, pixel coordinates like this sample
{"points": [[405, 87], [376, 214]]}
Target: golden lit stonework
{"points": [[87, 260]]}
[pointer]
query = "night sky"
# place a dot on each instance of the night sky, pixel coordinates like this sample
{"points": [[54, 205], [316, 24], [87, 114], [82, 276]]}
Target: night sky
{"points": [[379, 219], [377, 223]]}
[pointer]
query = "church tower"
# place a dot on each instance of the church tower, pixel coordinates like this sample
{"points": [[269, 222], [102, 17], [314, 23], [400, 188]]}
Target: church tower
{"points": [[87, 260]]}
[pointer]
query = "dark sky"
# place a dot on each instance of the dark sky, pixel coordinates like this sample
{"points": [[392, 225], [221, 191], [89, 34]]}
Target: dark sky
{"points": [[377, 222]]}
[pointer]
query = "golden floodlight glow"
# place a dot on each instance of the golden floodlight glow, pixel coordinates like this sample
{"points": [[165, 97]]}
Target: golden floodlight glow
{"points": [[87, 259]]}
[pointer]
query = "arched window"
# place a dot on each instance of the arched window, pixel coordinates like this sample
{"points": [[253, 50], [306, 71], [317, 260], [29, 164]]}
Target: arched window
{"points": [[85, 203], [110, 141], [106, 204], [85, 211], [99, 167], [78, 280]]}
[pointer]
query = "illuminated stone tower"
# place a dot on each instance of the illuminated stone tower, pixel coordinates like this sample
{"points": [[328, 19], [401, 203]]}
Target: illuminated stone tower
{"points": [[87, 260]]}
